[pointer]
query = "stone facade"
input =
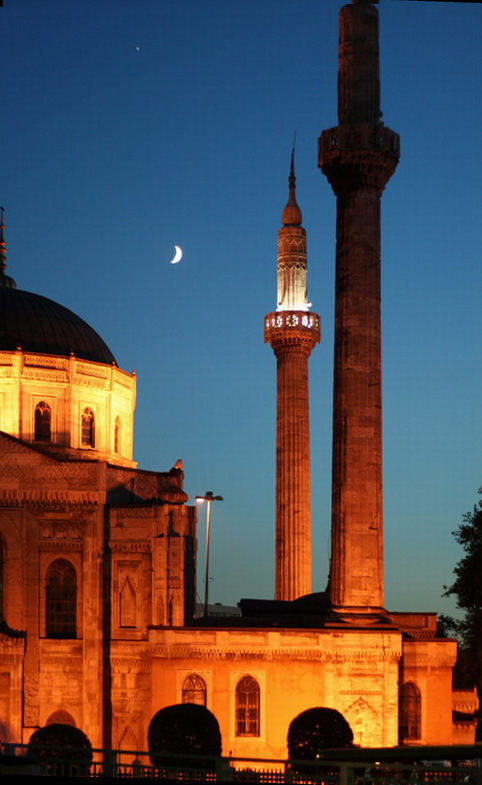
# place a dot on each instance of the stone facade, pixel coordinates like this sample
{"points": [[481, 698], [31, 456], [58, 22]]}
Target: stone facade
{"points": [[98, 558]]}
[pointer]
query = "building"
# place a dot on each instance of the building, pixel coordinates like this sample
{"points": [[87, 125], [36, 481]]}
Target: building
{"points": [[98, 558]]}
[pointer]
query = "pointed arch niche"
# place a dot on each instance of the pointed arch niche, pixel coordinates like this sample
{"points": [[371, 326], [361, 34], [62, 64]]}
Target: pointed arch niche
{"points": [[409, 713], [127, 604]]}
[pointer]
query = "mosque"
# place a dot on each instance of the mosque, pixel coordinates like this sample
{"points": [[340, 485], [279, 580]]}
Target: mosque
{"points": [[98, 557]]}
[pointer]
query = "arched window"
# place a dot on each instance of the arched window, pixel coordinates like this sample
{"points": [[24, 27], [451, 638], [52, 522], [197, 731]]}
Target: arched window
{"points": [[61, 600], [117, 435], [194, 690], [410, 713], [43, 417], [247, 707], [88, 428]]}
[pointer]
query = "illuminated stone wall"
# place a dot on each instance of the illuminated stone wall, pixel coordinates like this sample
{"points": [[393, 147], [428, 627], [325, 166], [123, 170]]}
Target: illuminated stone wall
{"points": [[69, 386]]}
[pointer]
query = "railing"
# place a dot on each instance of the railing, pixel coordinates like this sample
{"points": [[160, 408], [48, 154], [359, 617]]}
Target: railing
{"points": [[130, 764]]}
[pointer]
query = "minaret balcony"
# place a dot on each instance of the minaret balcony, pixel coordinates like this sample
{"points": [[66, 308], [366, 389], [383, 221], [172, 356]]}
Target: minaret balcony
{"points": [[352, 156], [295, 327]]}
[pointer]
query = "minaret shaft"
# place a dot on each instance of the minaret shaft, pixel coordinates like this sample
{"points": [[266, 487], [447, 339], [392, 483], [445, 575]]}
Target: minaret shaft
{"points": [[292, 333], [358, 158], [357, 533], [293, 515]]}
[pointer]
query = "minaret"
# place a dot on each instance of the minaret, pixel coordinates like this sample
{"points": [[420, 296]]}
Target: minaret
{"points": [[5, 279], [292, 333], [358, 157]]}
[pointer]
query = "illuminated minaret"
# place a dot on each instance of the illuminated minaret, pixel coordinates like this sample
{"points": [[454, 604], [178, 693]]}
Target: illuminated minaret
{"points": [[358, 157], [292, 333], [5, 279]]}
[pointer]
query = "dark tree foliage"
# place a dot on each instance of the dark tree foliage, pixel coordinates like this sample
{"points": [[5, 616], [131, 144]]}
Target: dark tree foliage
{"points": [[184, 729], [316, 730], [55, 743], [467, 588]]}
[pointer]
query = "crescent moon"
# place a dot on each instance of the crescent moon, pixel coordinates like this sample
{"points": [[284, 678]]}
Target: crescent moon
{"points": [[177, 256]]}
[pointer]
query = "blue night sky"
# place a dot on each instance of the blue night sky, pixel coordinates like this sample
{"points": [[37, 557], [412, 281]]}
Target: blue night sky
{"points": [[128, 127]]}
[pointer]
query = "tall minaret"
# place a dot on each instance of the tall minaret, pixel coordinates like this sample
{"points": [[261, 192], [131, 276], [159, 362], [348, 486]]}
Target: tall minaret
{"points": [[5, 279], [292, 333], [358, 157]]}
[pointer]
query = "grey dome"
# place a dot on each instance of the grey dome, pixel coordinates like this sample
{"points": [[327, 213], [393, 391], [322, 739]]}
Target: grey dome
{"points": [[40, 325]]}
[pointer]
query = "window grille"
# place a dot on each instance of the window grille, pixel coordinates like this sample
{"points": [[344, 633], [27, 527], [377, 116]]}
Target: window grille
{"points": [[247, 707], [194, 690]]}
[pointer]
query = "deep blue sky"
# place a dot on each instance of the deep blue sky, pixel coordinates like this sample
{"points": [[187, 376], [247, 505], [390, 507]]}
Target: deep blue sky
{"points": [[128, 127]]}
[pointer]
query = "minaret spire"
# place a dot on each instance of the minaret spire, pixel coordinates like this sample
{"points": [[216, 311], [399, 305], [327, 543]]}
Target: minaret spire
{"points": [[5, 279], [358, 157], [292, 214], [292, 333]]}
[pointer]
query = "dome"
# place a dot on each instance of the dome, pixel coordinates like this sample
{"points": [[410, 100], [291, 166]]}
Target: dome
{"points": [[37, 324]]}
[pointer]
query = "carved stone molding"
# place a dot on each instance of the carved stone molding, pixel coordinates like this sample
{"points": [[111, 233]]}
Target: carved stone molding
{"points": [[185, 651], [129, 547], [54, 546]]}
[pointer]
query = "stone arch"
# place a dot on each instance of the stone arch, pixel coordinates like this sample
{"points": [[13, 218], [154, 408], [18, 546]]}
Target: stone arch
{"points": [[61, 717], [185, 728], [409, 713], [315, 730]]}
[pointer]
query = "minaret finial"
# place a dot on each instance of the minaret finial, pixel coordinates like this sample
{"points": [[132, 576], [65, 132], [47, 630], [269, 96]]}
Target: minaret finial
{"points": [[292, 213], [5, 280]]}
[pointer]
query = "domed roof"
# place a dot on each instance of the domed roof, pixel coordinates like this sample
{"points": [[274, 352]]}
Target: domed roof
{"points": [[38, 324]]}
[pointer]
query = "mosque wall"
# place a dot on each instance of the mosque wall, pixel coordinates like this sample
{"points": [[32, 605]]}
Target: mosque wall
{"points": [[69, 387]]}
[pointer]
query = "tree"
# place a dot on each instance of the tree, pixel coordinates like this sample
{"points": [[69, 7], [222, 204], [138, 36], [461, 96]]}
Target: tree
{"points": [[184, 729], [61, 749], [316, 730], [467, 588]]}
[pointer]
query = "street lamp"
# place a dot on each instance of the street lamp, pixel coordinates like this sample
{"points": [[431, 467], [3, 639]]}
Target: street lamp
{"points": [[208, 498]]}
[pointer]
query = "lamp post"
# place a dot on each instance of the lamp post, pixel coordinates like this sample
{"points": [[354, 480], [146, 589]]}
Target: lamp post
{"points": [[208, 498]]}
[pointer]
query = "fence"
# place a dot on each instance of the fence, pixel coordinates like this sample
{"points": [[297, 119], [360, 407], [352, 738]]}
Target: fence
{"points": [[394, 766]]}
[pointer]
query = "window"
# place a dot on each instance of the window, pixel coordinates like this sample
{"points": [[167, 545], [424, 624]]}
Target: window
{"points": [[247, 707], [43, 416], [61, 600], [409, 718], [88, 428], [194, 690], [117, 435]]}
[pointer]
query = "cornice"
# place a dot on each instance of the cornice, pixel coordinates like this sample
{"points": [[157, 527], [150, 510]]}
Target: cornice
{"points": [[185, 651], [56, 546], [47, 499]]}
